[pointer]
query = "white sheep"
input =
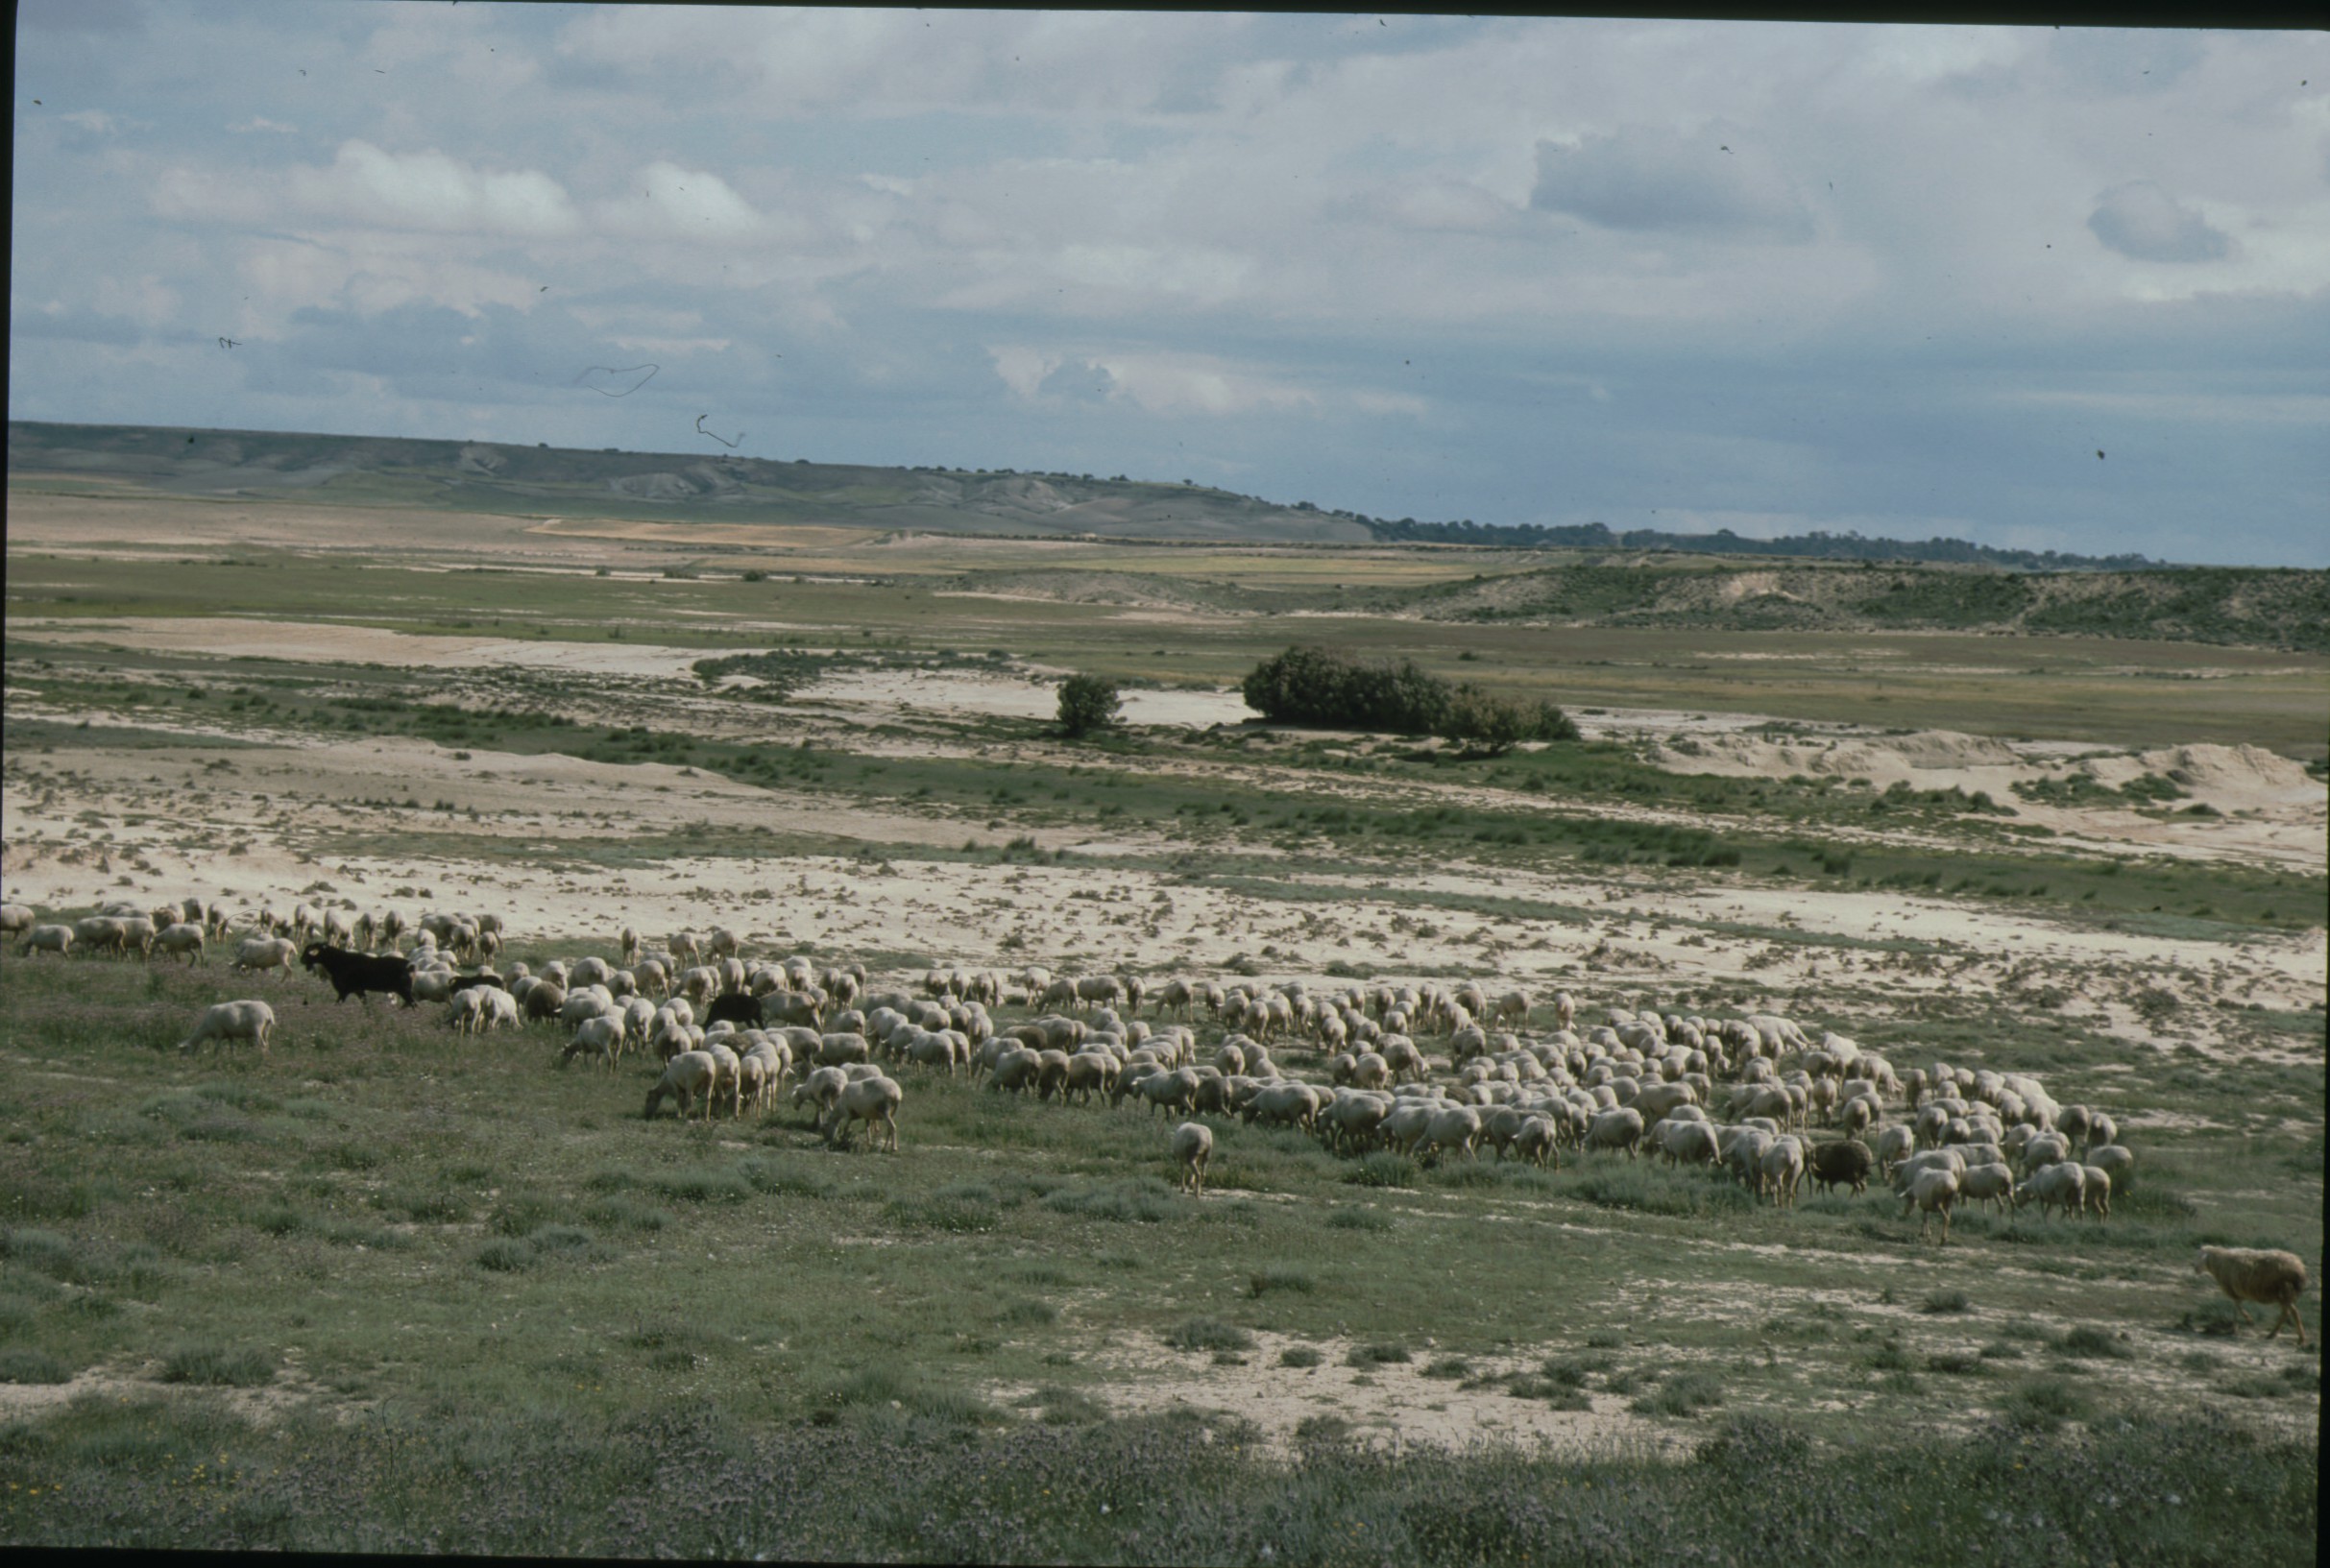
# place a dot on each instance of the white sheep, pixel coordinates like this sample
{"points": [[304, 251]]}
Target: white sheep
{"points": [[2265, 1275], [686, 1077], [874, 1101], [16, 919], [1932, 1191], [1193, 1145], [264, 952], [252, 1020], [2061, 1185], [185, 938], [601, 1037], [56, 939]]}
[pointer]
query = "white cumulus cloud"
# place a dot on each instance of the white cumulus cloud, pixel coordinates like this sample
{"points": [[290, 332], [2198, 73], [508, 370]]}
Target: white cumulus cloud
{"points": [[2142, 222]]}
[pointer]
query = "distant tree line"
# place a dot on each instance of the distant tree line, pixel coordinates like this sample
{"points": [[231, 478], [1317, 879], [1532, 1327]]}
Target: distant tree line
{"points": [[1850, 546], [1326, 687]]}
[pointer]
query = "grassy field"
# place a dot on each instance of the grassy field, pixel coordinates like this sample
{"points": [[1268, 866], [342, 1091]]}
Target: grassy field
{"points": [[2092, 689], [391, 1290], [457, 1236]]}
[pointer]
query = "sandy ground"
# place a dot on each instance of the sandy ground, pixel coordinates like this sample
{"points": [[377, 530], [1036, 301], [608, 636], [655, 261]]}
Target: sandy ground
{"points": [[267, 824], [2268, 808]]}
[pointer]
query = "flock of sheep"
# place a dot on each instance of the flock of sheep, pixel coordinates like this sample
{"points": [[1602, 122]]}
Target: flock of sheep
{"points": [[728, 1034]]}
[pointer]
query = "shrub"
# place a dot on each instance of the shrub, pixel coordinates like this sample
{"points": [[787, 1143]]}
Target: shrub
{"points": [[1278, 1277], [1382, 1167], [1300, 1355], [1376, 1354], [219, 1366], [2044, 1406], [20, 1364], [2093, 1342], [1208, 1334], [1087, 702], [1946, 1301], [1685, 1394]]}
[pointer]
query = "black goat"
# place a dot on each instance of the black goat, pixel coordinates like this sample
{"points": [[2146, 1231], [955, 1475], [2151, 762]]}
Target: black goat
{"points": [[360, 973], [734, 1007]]}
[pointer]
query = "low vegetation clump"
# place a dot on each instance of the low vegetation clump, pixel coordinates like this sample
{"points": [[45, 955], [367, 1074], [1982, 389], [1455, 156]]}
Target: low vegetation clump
{"points": [[1325, 686], [1087, 704], [903, 1471]]}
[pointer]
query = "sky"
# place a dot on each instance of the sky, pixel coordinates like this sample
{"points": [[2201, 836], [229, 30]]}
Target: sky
{"points": [[2043, 289]]}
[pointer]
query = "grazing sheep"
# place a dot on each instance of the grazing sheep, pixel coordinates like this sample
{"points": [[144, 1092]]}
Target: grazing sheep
{"points": [[1933, 1192], [1535, 1141], [261, 952], [2265, 1275], [1844, 1163], [252, 1020], [2061, 1185], [1782, 1170], [1991, 1182], [1455, 1126], [2115, 1162], [1617, 1128], [1193, 1145], [819, 1089], [1685, 1143], [1894, 1144], [56, 939], [181, 938], [874, 1101], [2095, 1193], [600, 1037], [686, 1077], [16, 919]]}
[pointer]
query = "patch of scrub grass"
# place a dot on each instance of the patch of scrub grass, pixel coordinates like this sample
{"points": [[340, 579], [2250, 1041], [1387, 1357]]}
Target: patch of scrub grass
{"points": [[217, 1365], [21, 1364], [1278, 1277], [1684, 1393], [1379, 1353], [1300, 1355], [2044, 1404], [2090, 1343], [1208, 1334], [1946, 1301]]}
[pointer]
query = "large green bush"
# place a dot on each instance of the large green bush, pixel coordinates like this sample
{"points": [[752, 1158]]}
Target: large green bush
{"points": [[1312, 684]]}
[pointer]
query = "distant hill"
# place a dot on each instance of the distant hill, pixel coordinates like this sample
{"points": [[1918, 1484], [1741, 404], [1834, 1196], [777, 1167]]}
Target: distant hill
{"points": [[1818, 545], [495, 476], [1577, 577], [499, 476]]}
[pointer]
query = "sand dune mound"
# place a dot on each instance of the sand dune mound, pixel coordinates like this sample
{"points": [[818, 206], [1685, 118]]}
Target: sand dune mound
{"points": [[1928, 759], [2231, 767]]}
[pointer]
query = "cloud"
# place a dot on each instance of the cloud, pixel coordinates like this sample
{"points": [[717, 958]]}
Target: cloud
{"points": [[1644, 178], [1170, 384], [2141, 221], [666, 201], [427, 192], [259, 122], [1433, 204]]}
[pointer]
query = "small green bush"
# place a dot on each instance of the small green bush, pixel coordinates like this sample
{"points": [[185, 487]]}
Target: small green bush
{"points": [[1372, 1355], [219, 1366], [1946, 1301], [2093, 1343], [2044, 1405], [21, 1364], [1208, 1334], [1687, 1393], [1278, 1277], [1300, 1355]]}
